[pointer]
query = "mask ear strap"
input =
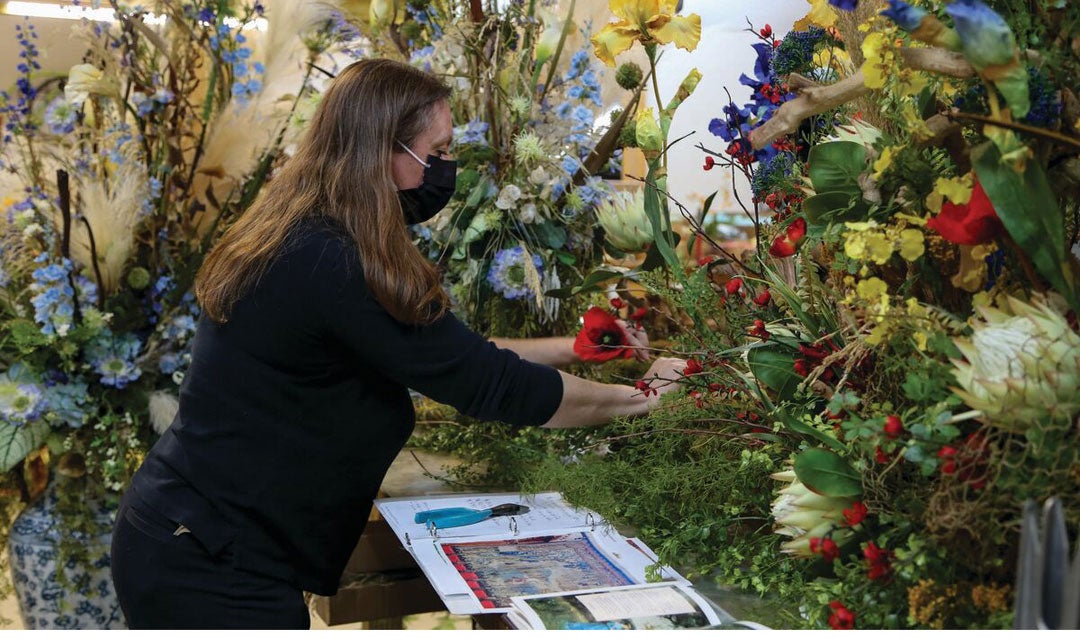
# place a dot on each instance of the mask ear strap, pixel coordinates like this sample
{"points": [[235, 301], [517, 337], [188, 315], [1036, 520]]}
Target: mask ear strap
{"points": [[414, 155]]}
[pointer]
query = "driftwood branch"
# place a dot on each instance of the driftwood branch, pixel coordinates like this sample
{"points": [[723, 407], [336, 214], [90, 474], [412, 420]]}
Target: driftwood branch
{"points": [[817, 99]]}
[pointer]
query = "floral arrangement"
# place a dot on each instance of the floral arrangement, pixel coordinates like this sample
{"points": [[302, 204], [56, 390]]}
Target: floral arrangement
{"points": [[899, 357], [116, 179], [531, 152]]}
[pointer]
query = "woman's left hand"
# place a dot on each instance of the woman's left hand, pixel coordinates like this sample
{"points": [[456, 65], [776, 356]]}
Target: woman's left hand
{"points": [[637, 339]]}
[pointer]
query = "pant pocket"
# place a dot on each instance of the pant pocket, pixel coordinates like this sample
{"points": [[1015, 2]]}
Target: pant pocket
{"points": [[153, 525]]}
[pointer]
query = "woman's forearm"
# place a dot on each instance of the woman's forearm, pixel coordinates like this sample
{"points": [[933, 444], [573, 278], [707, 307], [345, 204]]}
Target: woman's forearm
{"points": [[591, 403], [556, 352]]}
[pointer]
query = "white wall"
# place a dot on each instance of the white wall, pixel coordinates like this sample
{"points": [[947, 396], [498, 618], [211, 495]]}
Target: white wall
{"points": [[58, 53], [723, 54]]}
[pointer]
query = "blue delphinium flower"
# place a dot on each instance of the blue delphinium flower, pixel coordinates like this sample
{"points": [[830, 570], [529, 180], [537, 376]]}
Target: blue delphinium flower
{"points": [[581, 118], [474, 132], [54, 308], [113, 357], [904, 15], [846, 5], [60, 116], [507, 273], [579, 62], [179, 328]]}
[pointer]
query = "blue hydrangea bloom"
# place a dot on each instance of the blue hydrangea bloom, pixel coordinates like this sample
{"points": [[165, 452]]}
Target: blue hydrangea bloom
{"points": [[507, 273], [68, 403]]}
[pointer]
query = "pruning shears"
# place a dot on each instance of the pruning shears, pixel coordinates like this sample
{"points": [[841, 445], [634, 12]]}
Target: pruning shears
{"points": [[458, 516]]}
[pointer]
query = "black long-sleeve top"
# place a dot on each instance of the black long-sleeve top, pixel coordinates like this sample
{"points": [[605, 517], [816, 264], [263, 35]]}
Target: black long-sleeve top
{"points": [[293, 410]]}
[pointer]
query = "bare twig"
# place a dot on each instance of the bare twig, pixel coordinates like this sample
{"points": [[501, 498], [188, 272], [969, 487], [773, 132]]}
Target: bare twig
{"points": [[1016, 126]]}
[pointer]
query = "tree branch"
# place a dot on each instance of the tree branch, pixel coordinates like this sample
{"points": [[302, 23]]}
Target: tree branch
{"points": [[818, 99]]}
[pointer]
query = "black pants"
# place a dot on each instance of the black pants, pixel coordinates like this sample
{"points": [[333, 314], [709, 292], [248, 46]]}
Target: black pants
{"points": [[167, 581]]}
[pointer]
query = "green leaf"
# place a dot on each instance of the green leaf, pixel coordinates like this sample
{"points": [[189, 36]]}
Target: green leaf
{"points": [[551, 235], [16, 441], [653, 211], [1029, 211], [567, 258], [823, 208], [774, 367], [591, 283], [824, 472], [795, 425], [836, 166]]}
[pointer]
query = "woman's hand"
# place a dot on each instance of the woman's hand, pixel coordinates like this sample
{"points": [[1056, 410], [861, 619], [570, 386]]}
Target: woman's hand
{"points": [[663, 377], [636, 339]]}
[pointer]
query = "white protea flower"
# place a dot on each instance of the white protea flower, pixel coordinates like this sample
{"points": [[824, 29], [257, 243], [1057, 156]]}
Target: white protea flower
{"points": [[528, 213], [1022, 368], [538, 176], [624, 221], [802, 515]]}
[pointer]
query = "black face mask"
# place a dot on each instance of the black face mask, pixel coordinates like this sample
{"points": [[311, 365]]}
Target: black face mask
{"points": [[434, 193]]}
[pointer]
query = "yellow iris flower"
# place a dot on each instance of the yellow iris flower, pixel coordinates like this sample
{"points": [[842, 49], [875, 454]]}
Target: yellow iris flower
{"points": [[650, 21]]}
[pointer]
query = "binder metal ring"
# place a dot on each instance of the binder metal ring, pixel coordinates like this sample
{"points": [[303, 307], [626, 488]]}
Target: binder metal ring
{"points": [[513, 526], [591, 522]]}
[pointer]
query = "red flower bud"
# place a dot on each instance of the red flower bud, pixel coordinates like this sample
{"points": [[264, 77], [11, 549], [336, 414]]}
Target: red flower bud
{"points": [[763, 298], [733, 285], [947, 452], [709, 163], [787, 243], [639, 313], [766, 31], [693, 366], [616, 302], [894, 427], [803, 367], [880, 456], [878, 561]]}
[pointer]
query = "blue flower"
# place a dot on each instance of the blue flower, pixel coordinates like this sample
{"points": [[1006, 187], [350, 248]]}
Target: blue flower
{"points": [[796, 51], [904, 15], [60, 116], [206, 15], [68, 403], [113, 358], [846, 5], [985, 37], [169, 363], [507, 273], [579, 63], [472, 133], [20, 400]]}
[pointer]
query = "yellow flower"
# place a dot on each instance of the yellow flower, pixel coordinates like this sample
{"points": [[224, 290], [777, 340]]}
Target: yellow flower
{"points": [[650, 21], [882, 163], [872, 289], [879, 248], [957, 189], [880, 58], [821, 14], [912, 244]]}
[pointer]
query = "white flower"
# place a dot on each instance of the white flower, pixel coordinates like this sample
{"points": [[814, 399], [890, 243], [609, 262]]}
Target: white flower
{"points": [[538, 176], [508, 196], [85, 80], [527, 214]]}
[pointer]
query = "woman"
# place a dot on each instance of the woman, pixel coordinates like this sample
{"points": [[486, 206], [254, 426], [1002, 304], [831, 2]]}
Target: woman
{"points": [[319, 314]]}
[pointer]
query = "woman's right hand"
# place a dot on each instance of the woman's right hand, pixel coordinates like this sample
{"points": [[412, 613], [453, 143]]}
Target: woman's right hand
{"points": [[663, 377]]}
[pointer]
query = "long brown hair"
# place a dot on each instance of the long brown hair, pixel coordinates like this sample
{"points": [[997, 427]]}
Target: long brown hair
{"points": [[341, 170]]}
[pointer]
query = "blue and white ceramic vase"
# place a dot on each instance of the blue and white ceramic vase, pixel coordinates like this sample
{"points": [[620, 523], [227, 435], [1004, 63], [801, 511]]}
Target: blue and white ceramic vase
{"points": [[87, 600]]}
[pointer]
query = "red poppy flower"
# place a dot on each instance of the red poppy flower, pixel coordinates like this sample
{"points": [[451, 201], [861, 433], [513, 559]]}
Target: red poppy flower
{"points": [[894, 427], [841, 617], [601, 339], [878, 561], [855, 514], [969, 224], [787, 243]]}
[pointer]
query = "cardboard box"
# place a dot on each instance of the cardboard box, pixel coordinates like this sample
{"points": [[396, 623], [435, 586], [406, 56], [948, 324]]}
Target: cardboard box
{"points": [[381, 581], [375, 601]]}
